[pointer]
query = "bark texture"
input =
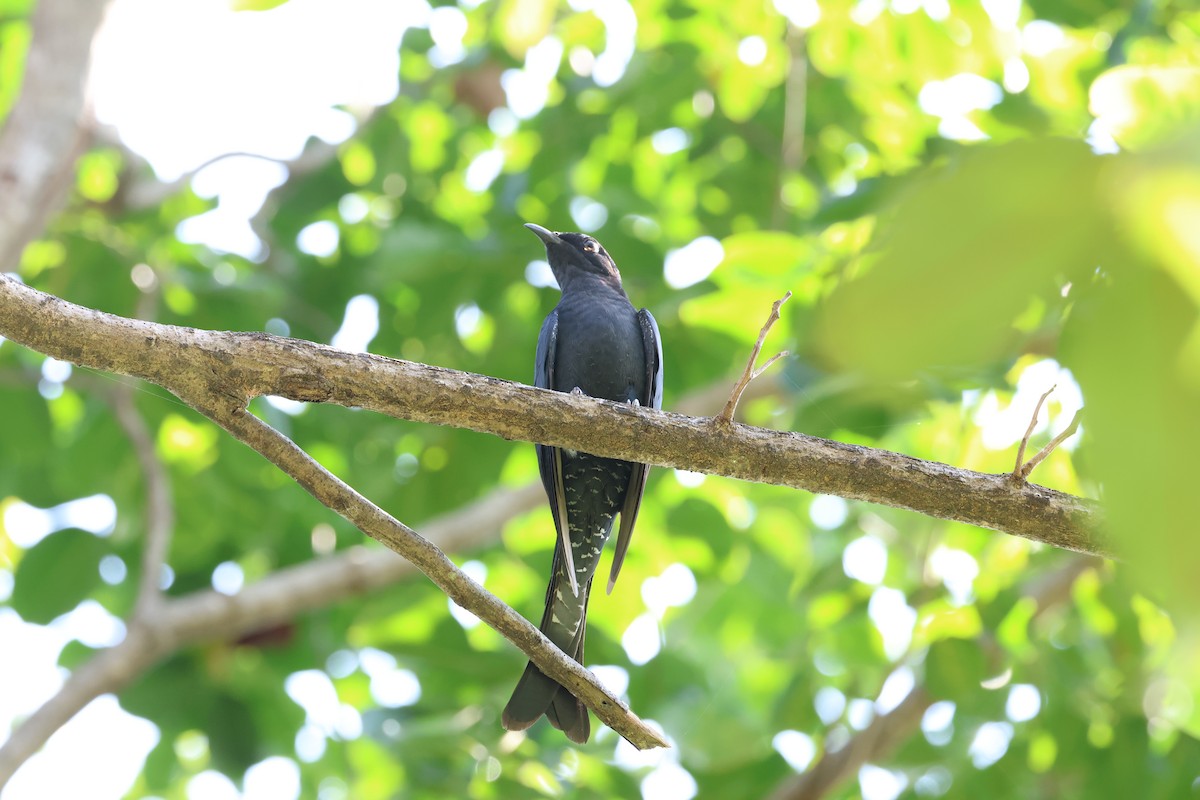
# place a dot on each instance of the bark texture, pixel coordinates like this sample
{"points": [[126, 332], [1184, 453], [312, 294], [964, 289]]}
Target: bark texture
{"points": [[219, 372]]}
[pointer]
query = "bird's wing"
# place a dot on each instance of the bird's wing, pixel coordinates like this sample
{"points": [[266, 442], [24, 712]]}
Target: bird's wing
{"points": [[543, 377], [550, 458], [652, 346]]}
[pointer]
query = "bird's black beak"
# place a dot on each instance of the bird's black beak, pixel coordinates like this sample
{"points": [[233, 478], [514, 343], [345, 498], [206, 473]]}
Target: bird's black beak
{"points": [[549, 237]]}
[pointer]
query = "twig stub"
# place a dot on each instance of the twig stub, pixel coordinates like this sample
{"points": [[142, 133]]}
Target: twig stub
{"points": [[1022, 468], [750, 373], [1067, 433], [1016, 473]]}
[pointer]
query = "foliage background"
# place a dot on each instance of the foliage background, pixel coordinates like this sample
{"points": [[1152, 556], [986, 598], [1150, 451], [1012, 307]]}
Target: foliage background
{"points": [[933, 260]]}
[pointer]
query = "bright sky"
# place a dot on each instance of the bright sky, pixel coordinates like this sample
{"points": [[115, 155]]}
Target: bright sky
{"points": [[185, 82]]}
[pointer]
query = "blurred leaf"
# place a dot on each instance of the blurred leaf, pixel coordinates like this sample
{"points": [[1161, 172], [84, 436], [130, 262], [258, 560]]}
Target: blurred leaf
{"points": [[56, 574], [523, 23], [14, 43], [1143, 105], [960, 255], [191, 444], [1126, 343], [232, 737], [97, 176], [255, 5], [954, 669], [358, 163], [1073, 12]]}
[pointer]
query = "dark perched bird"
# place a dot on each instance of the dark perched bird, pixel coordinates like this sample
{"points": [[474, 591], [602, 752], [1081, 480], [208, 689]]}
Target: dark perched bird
{"points": [[594, 342]]}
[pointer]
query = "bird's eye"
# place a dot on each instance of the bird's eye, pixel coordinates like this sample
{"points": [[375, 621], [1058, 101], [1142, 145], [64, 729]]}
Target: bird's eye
{"points": [[589, 246]]}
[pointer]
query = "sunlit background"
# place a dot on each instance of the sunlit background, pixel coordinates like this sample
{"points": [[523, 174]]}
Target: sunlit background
{"points": [[230, 102]]}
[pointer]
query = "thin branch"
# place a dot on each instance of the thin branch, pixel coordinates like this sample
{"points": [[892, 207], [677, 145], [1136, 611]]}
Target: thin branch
{"points": [[1018, 474], [160, 513], [160, 508], [795, 112], [726, 415], [458, 586], [874, 743], [763, 368], [43, 132], [706, 400], [1067, 433], [109, 671], [887, 732], [207, 615], [194, 363]]}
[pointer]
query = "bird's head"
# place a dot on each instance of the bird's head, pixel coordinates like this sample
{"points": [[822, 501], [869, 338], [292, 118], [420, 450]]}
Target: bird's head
{"points": [[573, 255]]}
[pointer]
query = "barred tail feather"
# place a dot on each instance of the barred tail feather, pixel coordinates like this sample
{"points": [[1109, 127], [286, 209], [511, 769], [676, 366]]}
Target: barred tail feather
{"points": [[537, 693]]}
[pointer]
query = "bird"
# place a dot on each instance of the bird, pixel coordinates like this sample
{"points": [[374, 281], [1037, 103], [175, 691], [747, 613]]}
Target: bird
{"points": [[595, 343]]}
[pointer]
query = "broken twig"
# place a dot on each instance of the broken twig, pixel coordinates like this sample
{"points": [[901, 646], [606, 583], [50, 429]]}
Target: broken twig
{"points": [[1017, 473], [726, 415], [1022, 468], [1067, 433]]}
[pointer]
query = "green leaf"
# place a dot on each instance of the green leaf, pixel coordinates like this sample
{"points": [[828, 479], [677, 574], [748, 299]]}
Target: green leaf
{"points": [[1141, 105], [57, 573], [960, 255], [954, 668], [1127, 342], [14, 43], [97, 179], [255, 5], [232, 735]]}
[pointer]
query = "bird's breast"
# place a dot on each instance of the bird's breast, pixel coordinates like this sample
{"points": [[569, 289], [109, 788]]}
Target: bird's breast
{"points": [[600, 349]]}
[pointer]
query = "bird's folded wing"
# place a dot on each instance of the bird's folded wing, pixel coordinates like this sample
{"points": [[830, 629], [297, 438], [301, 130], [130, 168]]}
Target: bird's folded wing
{"points": [[652, 345], [550, 458]]}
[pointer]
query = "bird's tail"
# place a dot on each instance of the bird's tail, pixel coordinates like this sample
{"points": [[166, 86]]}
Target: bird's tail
{"points": [[537, 693]]}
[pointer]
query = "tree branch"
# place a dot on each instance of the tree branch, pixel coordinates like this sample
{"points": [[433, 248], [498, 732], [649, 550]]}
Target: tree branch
{"points": [[205, 616], [109, 671], [750, 373], [160, 513], [43, 135], [217, 373], [887, 732], [200, 366], [458, 586], [874, 743], [210, 616], [1033, 419], [1051, 446], [221, 400]]}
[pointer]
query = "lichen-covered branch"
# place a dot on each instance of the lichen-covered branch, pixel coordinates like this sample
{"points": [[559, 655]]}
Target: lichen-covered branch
{"points": [[209, 368]]}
